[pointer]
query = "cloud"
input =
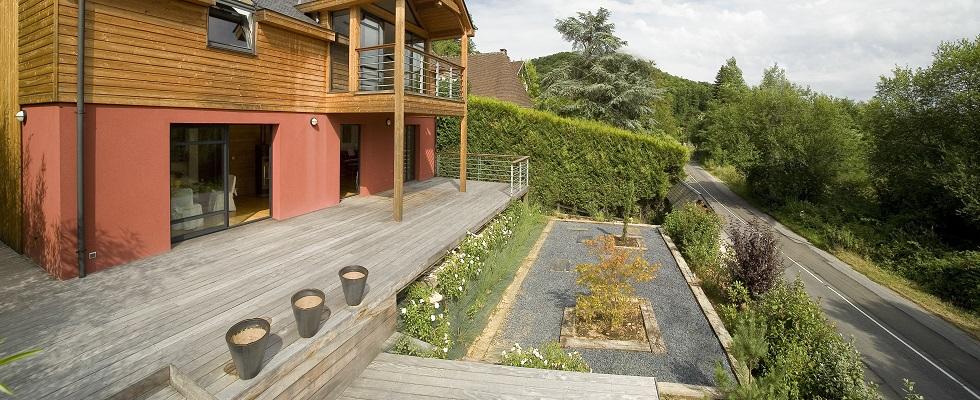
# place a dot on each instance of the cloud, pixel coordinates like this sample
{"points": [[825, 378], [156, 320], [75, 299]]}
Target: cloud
{"points": [[840, 47]]}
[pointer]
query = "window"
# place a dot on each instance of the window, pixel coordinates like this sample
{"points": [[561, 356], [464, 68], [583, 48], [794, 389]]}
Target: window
{"points": [[230, 27]]}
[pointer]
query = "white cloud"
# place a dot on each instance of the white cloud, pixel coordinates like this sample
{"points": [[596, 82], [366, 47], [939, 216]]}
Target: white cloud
{"points": [[839, 47]]}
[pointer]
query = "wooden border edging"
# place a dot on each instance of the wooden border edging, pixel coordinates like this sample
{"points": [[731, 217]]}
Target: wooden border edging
{"points": [[709, 311], [480, 348], [685, 391]]}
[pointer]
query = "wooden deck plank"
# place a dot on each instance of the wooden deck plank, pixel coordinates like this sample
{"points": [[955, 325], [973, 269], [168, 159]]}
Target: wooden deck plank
{"points": [[108, 330], [398, 376]]}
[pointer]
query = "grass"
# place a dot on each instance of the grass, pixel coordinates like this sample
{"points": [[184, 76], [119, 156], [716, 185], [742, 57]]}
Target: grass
{"points": [[470, 313], [966, 320]]}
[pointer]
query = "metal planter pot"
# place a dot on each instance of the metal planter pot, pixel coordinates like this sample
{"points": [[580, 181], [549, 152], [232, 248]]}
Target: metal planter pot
{"points": [[247, 351], [353, 279], [308, 305]]}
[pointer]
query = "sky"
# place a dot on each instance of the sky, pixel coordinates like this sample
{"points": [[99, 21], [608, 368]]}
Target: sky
{"points": [[839, 47]]}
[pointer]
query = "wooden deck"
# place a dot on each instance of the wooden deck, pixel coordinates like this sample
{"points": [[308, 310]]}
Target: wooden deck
{"points": [[393, 376], [115, 329]]}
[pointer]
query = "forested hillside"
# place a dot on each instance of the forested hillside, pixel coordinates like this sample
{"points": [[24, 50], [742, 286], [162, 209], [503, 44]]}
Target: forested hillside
{"points": [[894, 181]]}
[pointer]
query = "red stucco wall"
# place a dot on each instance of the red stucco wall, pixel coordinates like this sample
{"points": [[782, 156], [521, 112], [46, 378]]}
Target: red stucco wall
{"points": [[377, 149], [128, 177]]}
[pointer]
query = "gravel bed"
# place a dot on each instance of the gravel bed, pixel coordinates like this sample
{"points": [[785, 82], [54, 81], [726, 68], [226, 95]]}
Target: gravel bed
{"points": [[693, 351]]}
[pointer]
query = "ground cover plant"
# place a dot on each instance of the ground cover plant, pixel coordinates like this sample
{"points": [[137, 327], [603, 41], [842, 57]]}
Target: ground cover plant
{"points": [[550, 356]]}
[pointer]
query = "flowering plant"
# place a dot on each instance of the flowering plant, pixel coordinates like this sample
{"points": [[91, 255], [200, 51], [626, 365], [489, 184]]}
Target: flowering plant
{"points": [[551, 356], [422, 317]]}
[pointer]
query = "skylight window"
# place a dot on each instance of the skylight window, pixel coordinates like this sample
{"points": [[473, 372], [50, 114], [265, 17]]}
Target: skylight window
{"points": [[231, 27]]}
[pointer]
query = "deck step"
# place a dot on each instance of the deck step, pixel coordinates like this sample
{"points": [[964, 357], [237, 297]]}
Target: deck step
{"points": [[392, 376]]}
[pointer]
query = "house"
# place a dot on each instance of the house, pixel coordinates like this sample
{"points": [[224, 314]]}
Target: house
{"points": [[160, 121], [495, 75]]}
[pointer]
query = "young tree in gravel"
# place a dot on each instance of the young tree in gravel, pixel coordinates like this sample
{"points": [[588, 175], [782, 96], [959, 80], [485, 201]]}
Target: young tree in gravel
{"points": [[754, 260], [598, 82], [610, 283]]}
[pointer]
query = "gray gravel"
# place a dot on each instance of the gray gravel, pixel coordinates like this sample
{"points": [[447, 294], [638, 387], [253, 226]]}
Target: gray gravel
{"points": [[693, 351]]}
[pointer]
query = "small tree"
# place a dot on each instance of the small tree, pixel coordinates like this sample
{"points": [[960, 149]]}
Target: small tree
{"points": [[755, 261], [629, 208], [610, 282]]}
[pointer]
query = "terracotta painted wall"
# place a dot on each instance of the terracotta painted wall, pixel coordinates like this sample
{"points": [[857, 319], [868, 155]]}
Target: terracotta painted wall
{"points": [[377, 149], [48, 162], [128, 177]]}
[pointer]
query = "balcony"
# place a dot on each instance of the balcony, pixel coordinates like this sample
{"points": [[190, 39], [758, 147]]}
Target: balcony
{"points": [[425, 74]]}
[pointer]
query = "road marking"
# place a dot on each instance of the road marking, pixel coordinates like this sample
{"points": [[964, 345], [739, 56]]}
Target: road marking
{"points": [[848, 301]]}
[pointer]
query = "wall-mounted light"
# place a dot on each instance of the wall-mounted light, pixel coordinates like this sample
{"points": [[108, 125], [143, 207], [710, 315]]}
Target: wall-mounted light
{"points": [[313, 121], [21, 116], [388, 122]]}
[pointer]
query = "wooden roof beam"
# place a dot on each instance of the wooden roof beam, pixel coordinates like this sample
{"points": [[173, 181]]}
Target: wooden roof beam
{"points": [[292, 25]]}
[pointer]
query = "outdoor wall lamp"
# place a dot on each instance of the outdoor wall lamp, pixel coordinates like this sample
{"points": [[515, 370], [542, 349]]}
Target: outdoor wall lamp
{"points": [[388, 122], [21, 116], [313, 121]]}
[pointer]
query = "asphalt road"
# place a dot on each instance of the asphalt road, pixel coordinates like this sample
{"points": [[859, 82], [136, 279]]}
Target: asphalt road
{"points": [[897, 338]]}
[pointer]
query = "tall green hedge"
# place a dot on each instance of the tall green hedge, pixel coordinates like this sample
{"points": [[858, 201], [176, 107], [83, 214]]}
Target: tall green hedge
{"points": [[577, 165]]}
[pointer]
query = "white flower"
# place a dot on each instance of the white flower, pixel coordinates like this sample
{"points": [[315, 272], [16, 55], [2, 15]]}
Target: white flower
{"points": [[432, 317], [437, 305], [503, 353], [460, 288], [445, 349], [404, 311]]}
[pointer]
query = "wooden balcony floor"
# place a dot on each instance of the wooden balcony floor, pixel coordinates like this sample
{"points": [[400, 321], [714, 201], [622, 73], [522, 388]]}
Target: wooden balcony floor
{"points": [[103, 333]]}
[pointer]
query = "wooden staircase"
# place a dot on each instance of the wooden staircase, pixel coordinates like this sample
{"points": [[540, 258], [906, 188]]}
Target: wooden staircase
{"points": [[392, 376]]}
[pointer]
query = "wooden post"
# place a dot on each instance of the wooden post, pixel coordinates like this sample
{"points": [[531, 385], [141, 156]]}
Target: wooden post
{"points": [[354, 60], [399, 157], [464, 50]]}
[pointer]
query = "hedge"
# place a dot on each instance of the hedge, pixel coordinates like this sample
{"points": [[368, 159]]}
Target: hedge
{"points": [[578, 165]]}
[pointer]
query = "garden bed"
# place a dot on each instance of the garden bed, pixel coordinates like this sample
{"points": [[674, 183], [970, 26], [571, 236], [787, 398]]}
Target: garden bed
{"points": [[690, 348]]}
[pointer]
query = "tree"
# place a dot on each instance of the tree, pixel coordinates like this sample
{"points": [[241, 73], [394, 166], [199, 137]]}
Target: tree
{"points": [[729, 84], [610, 283], [597, 82], [925, 132], [531, 80], [591, 34], [451, 47]]}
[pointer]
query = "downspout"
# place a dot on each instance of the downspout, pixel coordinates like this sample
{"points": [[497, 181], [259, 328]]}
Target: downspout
{"points": [[80, 140]]}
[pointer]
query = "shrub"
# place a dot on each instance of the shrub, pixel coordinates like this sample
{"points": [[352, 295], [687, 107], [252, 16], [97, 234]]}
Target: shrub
{"points": [[802, 344], [610, 283], [755, 259], [551, 356], [577, 165], [697, 232]]}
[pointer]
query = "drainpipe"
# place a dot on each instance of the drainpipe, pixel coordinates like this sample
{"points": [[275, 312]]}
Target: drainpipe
{"points": [[80, 140]]}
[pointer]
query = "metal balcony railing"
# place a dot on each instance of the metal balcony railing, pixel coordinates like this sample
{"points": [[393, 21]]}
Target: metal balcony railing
{"points": [[514, 170], [425, 74]]}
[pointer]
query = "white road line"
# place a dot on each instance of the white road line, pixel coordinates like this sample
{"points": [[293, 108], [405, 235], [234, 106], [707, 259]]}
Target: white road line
{"points": [[848, 301]]}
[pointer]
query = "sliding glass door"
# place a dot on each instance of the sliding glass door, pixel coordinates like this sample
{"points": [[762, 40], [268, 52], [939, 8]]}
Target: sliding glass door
{"points": [[198, 180], [411, 148]]}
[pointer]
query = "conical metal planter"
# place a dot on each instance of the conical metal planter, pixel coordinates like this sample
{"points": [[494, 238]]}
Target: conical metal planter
{"points": [[308, 305], [247, 341], [353, 279]]}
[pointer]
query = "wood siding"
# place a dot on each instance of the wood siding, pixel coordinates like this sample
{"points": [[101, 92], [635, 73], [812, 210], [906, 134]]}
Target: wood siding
{"points": [[155, 53], [36, 48], [11, 206]]}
